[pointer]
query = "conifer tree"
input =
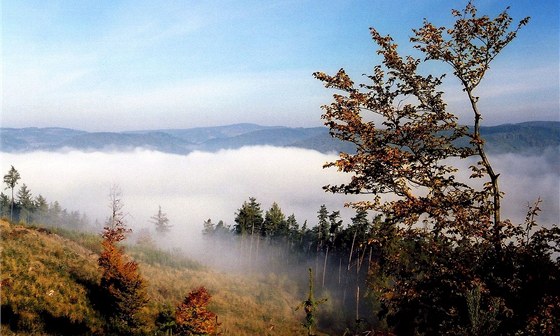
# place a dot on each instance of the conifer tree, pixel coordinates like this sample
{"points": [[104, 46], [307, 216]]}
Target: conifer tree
{"points": [[5, 204], [274, 224], [161, 222], [222, 229], [322, 227], [248, 222], [25, 203], [11, 179], [249, 219], [209, 228], [41, 208], [123, 287], [294, 234], [54, 213]]}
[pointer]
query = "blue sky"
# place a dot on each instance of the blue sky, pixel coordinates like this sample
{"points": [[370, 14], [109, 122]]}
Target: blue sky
{"points": [[126, 65]]}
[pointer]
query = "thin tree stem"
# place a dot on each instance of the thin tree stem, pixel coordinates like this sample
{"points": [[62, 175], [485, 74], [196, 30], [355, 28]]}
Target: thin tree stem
{"points": [[490, 171]]}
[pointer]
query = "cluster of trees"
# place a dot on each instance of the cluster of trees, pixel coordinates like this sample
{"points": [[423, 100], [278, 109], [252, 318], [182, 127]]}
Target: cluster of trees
{"points": [[256, 228], [23, 207], [339, 253], [434, 258]]}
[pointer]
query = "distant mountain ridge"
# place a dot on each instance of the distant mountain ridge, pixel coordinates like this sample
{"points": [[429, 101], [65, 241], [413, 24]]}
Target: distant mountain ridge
{"points": [[528, 137]]}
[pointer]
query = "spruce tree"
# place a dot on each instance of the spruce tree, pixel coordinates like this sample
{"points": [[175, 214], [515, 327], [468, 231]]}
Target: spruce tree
{"points": [[25, 203], [161, 222]]}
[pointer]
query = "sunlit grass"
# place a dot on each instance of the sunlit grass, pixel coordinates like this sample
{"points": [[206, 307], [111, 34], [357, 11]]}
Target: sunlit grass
{"points": [[45, 281], [49, 279]]}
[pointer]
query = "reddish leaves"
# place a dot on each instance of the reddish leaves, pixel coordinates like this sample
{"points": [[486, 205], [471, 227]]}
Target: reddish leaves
{"points": [[192, 315], [124, 288]]}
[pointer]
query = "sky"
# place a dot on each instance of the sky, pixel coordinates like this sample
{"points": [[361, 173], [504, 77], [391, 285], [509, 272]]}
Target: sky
{"points": [[129, 65]]}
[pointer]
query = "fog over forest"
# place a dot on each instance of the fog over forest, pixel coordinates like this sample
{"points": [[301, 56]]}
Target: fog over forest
{"points": [[192, 188]]}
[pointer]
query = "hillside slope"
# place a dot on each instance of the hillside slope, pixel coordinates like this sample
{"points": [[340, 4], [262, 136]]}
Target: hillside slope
{"points": [[46, 284], [49, 286]]}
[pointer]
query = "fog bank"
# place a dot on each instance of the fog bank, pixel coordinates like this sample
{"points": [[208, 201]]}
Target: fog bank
{"points": [[192, 188]]}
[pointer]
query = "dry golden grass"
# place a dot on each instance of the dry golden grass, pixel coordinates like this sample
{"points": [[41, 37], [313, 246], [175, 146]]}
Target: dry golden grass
{"points": [[244, 306], [47, 284], [45, 281]]}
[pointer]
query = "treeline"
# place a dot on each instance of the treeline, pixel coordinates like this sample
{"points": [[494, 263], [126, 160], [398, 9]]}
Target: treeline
{"points": [[339, 254], [23, 207]]}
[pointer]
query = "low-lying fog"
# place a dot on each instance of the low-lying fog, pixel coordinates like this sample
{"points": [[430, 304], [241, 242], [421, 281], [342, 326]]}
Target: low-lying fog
{"points": [[192, 188]]}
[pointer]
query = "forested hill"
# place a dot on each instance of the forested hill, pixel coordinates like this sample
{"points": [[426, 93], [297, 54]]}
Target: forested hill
{"points": [[528, 137]]}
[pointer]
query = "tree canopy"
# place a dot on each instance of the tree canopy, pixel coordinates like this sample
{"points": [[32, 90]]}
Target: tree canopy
{"points": [[446, 262]]}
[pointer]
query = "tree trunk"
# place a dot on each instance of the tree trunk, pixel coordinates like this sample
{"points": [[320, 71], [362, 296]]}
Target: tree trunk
{"points": [[493, 175], [325, 266]]}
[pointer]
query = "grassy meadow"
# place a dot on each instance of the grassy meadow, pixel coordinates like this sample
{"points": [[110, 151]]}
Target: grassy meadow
{"points": [[50, 279]]}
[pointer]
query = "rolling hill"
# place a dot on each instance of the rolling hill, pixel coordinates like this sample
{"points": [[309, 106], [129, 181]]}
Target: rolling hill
{"points": [[528, 137]]}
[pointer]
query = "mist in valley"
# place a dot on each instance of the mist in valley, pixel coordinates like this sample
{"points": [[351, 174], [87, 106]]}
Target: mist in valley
{"points": [[200, 186], [190, 189]]}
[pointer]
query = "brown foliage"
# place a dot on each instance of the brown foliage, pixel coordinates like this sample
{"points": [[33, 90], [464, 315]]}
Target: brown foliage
{"points": [[123, 286], [407, 155], [465, 254], [192, 315]]}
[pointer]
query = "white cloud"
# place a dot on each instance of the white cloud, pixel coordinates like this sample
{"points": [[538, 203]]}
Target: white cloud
{"points": [[189, 188]]}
